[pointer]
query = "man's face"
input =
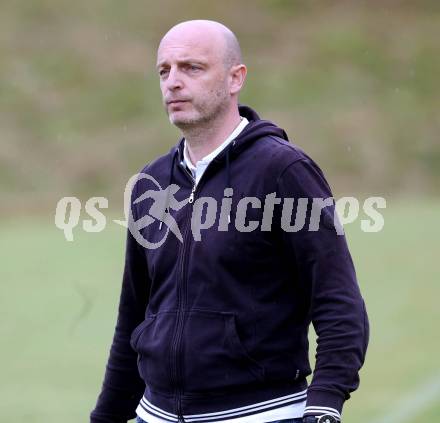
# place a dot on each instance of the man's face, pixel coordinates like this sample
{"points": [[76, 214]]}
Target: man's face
{"points": [[193, 80]]}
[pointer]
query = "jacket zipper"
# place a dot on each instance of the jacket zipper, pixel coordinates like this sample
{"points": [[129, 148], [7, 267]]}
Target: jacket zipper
{"points": [[191, 196], [181, 293], [175, 371], [181, 303]]}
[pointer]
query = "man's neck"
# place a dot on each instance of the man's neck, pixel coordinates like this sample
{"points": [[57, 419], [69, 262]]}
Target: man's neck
{"points": [[206, 138]]}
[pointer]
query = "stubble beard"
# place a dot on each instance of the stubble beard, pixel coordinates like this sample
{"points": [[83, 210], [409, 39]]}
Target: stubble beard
{"points": [[205, 113]]}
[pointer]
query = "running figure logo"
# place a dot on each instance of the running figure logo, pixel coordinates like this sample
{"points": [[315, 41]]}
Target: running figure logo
{"points": [[164, 200]]}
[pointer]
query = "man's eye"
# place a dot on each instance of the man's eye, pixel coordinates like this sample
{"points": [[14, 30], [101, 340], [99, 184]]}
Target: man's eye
{"points": [[163, 72], [193, 68]]}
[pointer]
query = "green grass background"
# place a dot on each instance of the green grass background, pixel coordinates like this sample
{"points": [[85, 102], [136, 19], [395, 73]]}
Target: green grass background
{"points": [[58, 302], [354, 83]]}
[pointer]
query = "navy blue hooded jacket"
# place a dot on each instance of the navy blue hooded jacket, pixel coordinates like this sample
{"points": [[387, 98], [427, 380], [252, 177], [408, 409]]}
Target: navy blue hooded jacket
{"points": [[222, 322]]}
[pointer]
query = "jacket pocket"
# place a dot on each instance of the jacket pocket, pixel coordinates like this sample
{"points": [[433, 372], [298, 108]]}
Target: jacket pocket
{"points": [[137, 332], [152, 341], [213, 355]]}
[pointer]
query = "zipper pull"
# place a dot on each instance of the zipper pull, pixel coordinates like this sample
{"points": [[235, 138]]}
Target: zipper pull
{"points": [[191, 197]]}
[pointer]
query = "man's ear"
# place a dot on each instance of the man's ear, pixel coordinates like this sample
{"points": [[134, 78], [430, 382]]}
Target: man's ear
{"points": [[237, 75]]}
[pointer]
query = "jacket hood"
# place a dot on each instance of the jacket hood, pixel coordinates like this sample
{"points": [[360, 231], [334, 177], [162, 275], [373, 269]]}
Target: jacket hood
{"points": [[256, 129]]}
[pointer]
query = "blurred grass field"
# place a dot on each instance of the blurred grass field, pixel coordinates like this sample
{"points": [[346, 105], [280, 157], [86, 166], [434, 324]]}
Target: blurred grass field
{"points": [[58, 302], [355, 84]]}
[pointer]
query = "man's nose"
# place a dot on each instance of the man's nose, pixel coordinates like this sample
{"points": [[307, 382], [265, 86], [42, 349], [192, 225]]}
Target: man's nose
{"points": [[174, 80]]}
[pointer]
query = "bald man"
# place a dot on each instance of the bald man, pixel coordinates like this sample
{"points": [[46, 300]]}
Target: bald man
{"points": [[213, 325]]}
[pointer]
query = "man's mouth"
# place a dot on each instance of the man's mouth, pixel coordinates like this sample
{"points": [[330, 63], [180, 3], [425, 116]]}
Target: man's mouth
{"points": [[176, 102]]}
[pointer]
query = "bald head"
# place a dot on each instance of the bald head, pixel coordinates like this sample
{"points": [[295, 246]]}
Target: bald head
{"points": [[213, 35], [201, 75]]}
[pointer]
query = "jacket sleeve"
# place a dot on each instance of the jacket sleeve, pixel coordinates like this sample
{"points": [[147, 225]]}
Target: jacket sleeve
{"points": [[122, 387], [337, 309]]}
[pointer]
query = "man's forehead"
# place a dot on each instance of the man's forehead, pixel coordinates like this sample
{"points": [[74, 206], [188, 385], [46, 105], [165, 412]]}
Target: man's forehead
{"points": [[185, 50]]}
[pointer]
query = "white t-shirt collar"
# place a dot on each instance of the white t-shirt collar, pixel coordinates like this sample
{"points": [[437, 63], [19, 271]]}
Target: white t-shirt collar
{"points": [[198, 169]]}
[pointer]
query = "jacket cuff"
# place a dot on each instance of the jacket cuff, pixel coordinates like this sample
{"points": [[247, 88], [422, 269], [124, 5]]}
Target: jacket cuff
{"points": [[323, 402]]}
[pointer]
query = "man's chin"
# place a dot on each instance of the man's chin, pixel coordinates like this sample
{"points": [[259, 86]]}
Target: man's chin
{"points": [[182, 121]]}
